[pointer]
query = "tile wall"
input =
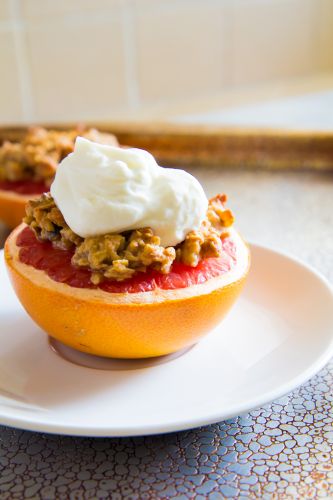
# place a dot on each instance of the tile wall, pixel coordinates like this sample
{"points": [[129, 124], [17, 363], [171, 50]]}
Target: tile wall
{"points": [[109, 59]]}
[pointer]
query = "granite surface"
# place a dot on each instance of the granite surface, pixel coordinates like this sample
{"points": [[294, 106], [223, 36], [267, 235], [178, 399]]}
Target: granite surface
{"points": [[283, 450]]}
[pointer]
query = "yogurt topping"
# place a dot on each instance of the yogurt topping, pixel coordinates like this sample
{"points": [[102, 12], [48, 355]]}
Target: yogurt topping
{"points": [[102, 189]]}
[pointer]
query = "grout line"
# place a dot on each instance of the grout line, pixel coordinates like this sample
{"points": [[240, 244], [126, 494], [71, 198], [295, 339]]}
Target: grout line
{"points": [[131, 73], [18, 30]]}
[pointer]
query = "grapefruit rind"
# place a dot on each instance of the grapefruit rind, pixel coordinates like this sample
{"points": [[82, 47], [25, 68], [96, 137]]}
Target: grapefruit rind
{"points": [[12, 207], [125, 325]]}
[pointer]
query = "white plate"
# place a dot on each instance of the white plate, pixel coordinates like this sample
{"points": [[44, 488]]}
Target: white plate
{"points": [[278, 335]]}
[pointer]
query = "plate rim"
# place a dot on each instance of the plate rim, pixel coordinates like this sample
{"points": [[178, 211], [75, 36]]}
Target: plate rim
{"points": [[267, 397]]}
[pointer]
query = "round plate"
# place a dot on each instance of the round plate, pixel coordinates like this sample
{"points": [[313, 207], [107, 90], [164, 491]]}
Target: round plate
{"points": [[278, 335]]}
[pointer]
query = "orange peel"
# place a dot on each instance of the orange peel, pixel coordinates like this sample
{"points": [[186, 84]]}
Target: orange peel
{"points": [[12, 207]]}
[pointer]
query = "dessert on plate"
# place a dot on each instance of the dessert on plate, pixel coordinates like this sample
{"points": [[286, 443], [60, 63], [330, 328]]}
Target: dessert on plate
{"points": [[27, 168], [124, 258]]}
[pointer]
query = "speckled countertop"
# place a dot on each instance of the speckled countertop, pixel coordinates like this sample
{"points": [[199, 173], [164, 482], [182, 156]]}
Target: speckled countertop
{"points": [[281, 451]]}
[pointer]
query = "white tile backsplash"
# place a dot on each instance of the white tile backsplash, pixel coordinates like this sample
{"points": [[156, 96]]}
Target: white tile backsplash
{"points": [[183, 49], [43, 10], [4, 11], [10, 94], [325, 29], [273, 39], [77, 69], [104, 59]]}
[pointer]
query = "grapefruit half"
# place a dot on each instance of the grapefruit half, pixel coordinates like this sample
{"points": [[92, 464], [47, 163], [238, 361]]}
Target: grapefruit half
{"points": [[169, 313]]}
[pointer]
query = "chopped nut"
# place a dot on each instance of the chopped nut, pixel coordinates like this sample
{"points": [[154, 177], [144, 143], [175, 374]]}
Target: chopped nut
{"points": [[47, 222], [144, 250], [217, 215], [117, 271], [206, 242], [99, 252]]}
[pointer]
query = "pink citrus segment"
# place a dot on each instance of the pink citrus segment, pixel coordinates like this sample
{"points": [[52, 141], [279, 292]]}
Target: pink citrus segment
{"points": [[24, 187]]}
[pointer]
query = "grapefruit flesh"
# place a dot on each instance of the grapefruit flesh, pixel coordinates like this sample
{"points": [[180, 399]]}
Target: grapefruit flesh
{"points": [[56, 263], [24, 187]]}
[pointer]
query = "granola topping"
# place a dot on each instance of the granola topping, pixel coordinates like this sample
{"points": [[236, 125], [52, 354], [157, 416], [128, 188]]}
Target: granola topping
{"points": [[37, 156], [120, 256]]}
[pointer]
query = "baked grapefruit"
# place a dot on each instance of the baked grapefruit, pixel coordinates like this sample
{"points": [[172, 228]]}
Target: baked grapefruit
{"points": [[147, 315], [28, 167]]}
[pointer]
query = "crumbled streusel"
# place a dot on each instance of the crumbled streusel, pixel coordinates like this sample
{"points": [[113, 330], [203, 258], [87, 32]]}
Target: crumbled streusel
{"points": [[36, 157], [120, 256]]}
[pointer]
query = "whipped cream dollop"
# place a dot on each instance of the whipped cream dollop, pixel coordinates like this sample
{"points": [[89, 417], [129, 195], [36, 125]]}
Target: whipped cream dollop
{"points": [[102, 189]]}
